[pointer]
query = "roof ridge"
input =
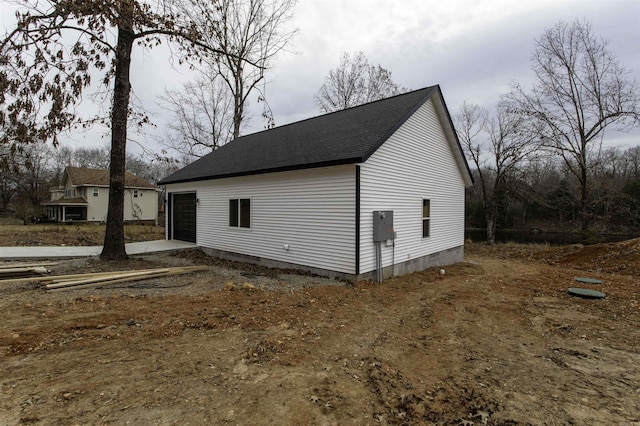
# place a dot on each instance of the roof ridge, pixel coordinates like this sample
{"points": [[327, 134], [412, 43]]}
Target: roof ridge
{"points": [[328, 113], [340, 137]]}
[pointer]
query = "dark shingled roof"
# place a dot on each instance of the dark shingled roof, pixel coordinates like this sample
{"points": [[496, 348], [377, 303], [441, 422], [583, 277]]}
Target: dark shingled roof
{"points": [[342, 137]]}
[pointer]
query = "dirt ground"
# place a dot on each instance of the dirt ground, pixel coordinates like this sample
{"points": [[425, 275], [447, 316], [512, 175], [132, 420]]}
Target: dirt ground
{"points": [[495, 340]]}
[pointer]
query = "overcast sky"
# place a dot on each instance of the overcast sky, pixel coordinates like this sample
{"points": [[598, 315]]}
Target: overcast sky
{"points": [[472, 48]]}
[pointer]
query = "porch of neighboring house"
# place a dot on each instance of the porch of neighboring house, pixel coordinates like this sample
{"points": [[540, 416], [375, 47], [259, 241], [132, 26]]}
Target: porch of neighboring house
{"points": [[67, 210]]}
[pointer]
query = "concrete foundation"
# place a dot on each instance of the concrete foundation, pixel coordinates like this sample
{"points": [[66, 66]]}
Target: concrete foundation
{"points": [[270, 263], [443, 258]]}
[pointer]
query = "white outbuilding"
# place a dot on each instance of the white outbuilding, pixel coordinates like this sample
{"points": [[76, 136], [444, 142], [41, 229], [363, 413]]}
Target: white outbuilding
{"points": [[367, 192]]}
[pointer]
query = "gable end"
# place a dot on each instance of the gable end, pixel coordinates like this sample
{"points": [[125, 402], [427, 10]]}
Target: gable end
{"points": [[391, 131]]}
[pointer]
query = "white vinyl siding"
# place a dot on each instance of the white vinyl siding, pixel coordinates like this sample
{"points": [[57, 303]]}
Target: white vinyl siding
{"points": [[416, 163], [140, 204], [144, 206], [311, 212], [98, 204]]}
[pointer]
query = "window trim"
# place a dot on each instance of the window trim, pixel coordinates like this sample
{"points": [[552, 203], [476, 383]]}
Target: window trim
{"points": [[240, 217], [96, 192], [426, 219]]}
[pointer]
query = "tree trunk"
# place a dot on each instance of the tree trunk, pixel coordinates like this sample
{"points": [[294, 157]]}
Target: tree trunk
{"points": [[238, 101], [237, 118], [585, 218], [491, 217], [114, 236], [491, 228]]}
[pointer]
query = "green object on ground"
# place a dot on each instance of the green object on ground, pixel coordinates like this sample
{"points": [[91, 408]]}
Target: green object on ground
{"points": [[588, 280], [586, 293]]}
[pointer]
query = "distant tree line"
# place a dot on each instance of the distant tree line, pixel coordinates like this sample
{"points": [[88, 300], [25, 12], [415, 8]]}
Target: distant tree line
{"points": [[27, 175], [540, 157], [542, 193]]}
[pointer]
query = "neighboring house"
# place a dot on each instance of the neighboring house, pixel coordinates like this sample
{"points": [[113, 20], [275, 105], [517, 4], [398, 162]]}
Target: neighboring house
{"points": [[304, 195], [84, 195]]}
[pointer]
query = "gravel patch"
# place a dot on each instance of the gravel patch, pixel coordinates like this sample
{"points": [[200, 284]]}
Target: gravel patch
{"points": [[222, 275]]}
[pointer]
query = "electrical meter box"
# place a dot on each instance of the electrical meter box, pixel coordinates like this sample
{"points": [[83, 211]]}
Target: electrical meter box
{"points": [[383, 225]]}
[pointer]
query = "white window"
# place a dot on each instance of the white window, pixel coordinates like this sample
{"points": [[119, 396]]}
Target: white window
{"points": [[240, 212], [96, 192], [135, 193], [426, 217]]}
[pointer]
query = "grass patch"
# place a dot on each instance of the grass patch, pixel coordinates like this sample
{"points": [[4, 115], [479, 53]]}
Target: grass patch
{"points": [[72, 234], [508, 250], [10, 221]]}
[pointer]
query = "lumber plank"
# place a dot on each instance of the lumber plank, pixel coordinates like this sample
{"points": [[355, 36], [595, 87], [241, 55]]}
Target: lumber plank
{"points": [[52, 278], [98, 274], [91, 274], [105, 276], [24, 270], [65, 283], [25, 265], [46, 278], [104, 283], [176, 271]]}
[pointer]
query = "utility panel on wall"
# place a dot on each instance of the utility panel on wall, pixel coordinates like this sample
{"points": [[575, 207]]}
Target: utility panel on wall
{"points": [[382, 225]]}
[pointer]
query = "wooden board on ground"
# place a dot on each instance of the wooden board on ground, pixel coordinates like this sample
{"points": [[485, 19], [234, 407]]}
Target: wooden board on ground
{"points": [[5, 265], [22, 272], [80, 281]]}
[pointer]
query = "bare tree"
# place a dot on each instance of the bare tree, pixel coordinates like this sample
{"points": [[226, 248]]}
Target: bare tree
{"points": [[580, 91], [35, 173], [631, 159], [43, 78], [250, 33], [93, 158], [203, 117], [355, 82], [151, 170], [61, 158], [496, 146]]}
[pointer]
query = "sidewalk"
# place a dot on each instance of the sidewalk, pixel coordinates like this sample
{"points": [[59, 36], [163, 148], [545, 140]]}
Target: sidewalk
{"points": [[38, 252]]}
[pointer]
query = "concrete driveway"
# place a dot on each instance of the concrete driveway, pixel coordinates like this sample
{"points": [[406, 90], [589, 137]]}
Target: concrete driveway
{"points": [[41, 252]]}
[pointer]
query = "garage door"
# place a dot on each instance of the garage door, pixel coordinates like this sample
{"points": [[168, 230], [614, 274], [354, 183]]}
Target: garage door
{"points": [[184, 217]]}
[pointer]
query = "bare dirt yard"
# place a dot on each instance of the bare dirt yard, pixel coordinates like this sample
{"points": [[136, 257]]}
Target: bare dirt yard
{"points": [[496, 340]]}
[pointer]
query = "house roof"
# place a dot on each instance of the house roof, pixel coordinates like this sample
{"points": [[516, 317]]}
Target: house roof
{"points": [[343, 137], [77, 201], [83, 176]]}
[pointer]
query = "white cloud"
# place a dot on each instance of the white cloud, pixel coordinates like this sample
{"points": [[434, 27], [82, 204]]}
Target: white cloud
{"points": [[472, 48]]}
